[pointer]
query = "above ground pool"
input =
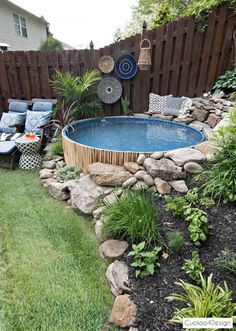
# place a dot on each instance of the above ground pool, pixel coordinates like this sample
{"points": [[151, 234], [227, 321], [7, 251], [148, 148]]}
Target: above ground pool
{"points": [[125, 135]]}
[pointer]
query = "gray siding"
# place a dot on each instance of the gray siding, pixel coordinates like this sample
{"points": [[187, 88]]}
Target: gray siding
{"points": [[36, 29]]}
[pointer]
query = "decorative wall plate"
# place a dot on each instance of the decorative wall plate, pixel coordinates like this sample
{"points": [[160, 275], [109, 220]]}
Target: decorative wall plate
{"points": [[109, 90], [126, 66], [106, 64]]}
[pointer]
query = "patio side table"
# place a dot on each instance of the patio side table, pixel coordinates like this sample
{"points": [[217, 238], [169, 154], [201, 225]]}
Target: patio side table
{"points": [[29, 148]]}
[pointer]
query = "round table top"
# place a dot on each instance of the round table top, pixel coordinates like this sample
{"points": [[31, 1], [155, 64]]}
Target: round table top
{"points": [[24, 140]]}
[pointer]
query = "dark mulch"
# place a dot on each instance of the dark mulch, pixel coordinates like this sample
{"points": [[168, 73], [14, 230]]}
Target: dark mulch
{"points": [[149, 293]]}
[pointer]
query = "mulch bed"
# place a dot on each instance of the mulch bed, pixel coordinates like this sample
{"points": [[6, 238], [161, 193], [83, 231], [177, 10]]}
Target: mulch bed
{"points": [[149, 293]]}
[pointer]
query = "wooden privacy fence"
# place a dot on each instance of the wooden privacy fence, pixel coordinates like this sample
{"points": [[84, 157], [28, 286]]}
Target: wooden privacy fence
{"points": [[185, 61]]}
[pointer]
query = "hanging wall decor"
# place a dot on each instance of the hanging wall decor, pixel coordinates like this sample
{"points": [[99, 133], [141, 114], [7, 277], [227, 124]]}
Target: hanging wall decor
{"points": [[106, 64], [144, 61], [126, 66], [109, 90]]}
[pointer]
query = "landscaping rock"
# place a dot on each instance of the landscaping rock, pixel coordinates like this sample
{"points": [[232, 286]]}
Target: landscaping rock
{"points": [[110, 199], [97, 213], [119, 192], [199, 125], [213, 120], [108, 190], [60, 164], [141, 158], [85, 194], [193, 167], [124, 312], [112, 249], [132, 167], [58, 158], [140, 185], [134, 329], [200, 114], [183, 155], [45, 173], [163, 117], [179, 186], [129, 182], [140, 174], [49, 164], [48, 156], [162, 186], [207, 132], [117, 275], [206, 147], [58, 191], [98, 229], [148, 180], [157, 155], [108, 174], [185, 120], [164, 169]]}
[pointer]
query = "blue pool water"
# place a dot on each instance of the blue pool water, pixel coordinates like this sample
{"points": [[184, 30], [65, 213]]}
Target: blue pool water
{"points": [[133, 134]]}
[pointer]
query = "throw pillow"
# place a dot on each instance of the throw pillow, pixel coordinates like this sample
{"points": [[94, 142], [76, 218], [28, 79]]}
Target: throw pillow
{"points": [[10, 119], [156, 104], [35, 119], [171, 111]]}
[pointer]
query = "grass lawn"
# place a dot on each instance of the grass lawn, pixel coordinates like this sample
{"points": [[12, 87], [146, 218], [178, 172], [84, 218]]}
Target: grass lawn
{"points": [[51, 277]]}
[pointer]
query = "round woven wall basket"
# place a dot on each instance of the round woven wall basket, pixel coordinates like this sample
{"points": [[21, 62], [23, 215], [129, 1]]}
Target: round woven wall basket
{"points": [[109, 90], [106, 64]]}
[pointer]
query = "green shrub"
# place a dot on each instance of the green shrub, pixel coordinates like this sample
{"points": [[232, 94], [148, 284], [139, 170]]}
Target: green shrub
{"points": [[193, 267], [175, 240], [145, 262], [226, 260], [176, 205], [132, 217], [198, 224], [125, 107], [219, 181], [226, 82], [206, 300], [56, 147], [51, 44], [67, 173]]}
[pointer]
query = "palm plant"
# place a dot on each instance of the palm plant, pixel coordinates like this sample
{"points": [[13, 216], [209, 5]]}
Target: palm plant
{"points": [[77, 96]]}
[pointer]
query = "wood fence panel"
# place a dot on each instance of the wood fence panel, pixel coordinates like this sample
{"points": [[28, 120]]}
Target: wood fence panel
{"points": [[4, 85]]}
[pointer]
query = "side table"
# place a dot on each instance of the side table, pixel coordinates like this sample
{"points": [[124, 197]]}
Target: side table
{"points": [[29, 148]]}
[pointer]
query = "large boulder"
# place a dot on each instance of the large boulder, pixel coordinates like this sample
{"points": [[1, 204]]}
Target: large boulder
{"points": [[117, 275], [183, 155], [164, 169], [113, 249], [108, 174], [85, 194], [58, 191], [123, 312]]}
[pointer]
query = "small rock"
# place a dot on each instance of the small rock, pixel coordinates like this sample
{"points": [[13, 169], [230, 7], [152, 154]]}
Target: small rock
{"points": [[162, 186], [185, 120], [110, 199], [132, 167], [141, 158], [157, 155], [140, 174], [60, 164], [148, 180], [193, 167], [49, 164], [59, 191], [200, 115], [133, 329], [179, 186], [119, 192], [48, 156], [196, 103], [58, 158], [123, 312], [163, 117], [183, 155], [219, 106], [164, 169], [117, 275], [199, 125], [45, 173], [207, 132], [140, 185], [112, 249], [129, 182], [213, 120], [97, 213], [98, 229]]}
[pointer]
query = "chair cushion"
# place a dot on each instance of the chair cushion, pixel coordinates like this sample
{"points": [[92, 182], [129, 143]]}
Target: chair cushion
{"points": [[9, 119], [42, 106], [7, 147], [156, 104], [35, 119], [18, 107]]}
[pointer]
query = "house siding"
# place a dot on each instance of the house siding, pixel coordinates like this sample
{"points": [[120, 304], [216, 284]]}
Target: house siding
{"points": [[36, 29]]}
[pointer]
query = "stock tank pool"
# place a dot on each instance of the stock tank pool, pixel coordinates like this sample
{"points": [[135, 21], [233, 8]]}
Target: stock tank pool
{"points": [[116, 140]]}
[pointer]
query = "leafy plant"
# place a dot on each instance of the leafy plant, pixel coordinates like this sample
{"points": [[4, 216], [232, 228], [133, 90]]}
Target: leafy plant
{"points": [[198, 224], [219, 181], [132, 217], [144, 262], [226, 260], [125, 107], [67, 173], [192, 196], [194, 267], [176, 205], [206, 300], [50, 44], [232, 96], [56, 147], [175, 240], [226, 82]]}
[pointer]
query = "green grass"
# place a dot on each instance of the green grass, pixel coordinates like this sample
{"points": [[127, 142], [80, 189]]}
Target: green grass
{"points": [[51, 278]]}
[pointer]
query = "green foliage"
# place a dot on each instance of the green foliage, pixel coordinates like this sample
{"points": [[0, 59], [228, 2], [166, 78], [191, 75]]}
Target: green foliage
{"points": [[175, 240], [226, 260], [194, 267], [125, 107], [56, 147], [226, 82], [219, 181], [205, 300], [67, 173], [77, 96], [164, 14], [132, 217], [50, 44], [144, 262], [232, 96], [176, 205], [198, 224]]}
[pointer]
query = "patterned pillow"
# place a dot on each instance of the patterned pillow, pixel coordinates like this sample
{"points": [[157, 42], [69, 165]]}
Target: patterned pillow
{"points": [[173, 102], [9, 119], [171, 111], [185, 108], [35, 119], [156, 104]]}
